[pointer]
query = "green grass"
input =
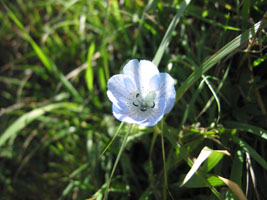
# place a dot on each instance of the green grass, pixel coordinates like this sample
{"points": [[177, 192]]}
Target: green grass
{"points": [[58, 138]]}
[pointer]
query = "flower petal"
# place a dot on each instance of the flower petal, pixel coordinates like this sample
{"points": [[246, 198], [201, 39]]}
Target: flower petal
{"points": [[155, 82], [141, 95], [141, 72], [156, 115], [126, 116], [167, 91], [120, 89]]}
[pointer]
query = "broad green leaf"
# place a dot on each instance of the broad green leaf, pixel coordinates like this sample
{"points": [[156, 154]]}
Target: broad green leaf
{"points": [[27, 118], [213, 159], [204, 154]]}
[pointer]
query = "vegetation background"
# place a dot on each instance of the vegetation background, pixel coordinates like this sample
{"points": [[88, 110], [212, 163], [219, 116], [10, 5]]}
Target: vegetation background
{"points": [[56, 120]]}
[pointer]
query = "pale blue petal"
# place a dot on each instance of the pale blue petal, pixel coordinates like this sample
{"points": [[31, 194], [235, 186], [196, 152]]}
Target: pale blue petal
{"points": [[170, 100], [167, 91], [155, 82], [120, 89], [155, 116], [125, 116], [141, 72], [129, 85], [141, 77]]}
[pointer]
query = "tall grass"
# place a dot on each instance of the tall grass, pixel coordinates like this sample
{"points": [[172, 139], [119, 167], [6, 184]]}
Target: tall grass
{"points": [[58, 137]]}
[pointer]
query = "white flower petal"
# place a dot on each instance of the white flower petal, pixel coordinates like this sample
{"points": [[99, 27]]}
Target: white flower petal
{"points": [[141, 72]]}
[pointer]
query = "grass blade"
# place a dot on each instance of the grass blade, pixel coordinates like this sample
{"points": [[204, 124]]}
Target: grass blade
{"points": [[214, 59], [243, 145], [262, 133], [168, 35], [48, 63], [27, 118], [89, 74], [117, 160]]}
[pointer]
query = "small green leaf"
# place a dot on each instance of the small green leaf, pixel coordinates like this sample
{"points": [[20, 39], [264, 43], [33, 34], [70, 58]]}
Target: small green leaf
{"points": [[197, 182], [213, 159]]}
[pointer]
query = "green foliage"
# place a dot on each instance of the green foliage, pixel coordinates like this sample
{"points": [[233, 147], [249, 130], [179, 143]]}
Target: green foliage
{"points": [[58, 138]]}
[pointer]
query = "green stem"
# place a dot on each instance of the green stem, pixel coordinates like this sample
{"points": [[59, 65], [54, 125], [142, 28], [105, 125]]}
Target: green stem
{"points": [[115, 135], [117, 160]]}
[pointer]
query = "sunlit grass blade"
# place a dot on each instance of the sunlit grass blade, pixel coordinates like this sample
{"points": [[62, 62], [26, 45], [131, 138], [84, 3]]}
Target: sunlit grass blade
{"points": [[247, 148], [48, 63], [89, 74], [168, 35], [27, 118], [214, 59], [262, 133]]}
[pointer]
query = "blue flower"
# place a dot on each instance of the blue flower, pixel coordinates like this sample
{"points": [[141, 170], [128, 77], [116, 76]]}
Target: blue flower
{"points": [[141, 94]]}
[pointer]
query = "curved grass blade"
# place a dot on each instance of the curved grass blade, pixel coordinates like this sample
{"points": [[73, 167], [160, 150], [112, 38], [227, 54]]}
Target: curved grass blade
{"points": [[209, 102], [214, 95], [262, 133], [27, 118], [215, 58]]}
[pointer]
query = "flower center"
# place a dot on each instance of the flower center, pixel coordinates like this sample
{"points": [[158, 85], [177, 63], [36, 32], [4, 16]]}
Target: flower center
{"points": [[144, 102]]}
